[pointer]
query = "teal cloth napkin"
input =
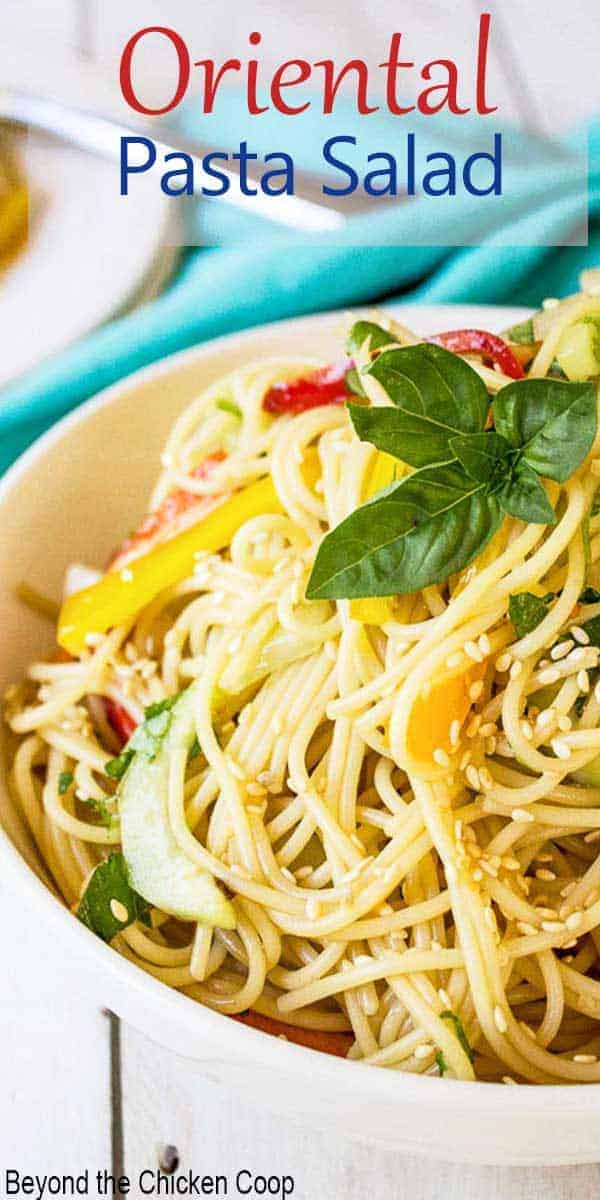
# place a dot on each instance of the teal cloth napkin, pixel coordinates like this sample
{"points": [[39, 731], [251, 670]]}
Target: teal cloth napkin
{"points": [[255, 275]]}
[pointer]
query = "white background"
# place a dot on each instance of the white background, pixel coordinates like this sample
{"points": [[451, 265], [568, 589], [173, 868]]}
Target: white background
{"points": [[77, 1089]]}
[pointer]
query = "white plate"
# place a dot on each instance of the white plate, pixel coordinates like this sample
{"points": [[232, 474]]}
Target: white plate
{"points": [[90, 252], [66, 471]]}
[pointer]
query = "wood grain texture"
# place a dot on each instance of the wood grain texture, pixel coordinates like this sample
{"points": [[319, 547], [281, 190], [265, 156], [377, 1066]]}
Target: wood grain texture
{"points": [[215, 1132], [54, 1098]]}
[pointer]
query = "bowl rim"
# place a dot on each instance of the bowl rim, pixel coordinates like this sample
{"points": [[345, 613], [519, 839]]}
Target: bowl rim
{"points": [[243, 1041]]}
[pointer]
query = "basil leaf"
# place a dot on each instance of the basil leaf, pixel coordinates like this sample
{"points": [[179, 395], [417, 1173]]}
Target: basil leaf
{"points": [[361, 330], [107, 890], [448, 1015], [65, 780], [439, 395], [402, 434], [554, 423], [523, 496], [413, 533], [105, 814], [353, 383], [526, 611], [484, 456], [521, 334]]}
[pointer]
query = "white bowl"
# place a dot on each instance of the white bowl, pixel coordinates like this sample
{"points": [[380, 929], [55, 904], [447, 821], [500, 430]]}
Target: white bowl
{"points": [[73, 496]]}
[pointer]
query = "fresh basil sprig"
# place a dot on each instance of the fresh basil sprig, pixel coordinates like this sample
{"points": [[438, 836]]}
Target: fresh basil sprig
{"points": [[437, 520], [436, 396]]}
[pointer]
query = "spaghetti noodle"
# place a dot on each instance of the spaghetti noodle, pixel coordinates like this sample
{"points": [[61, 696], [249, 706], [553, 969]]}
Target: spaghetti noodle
{"points": [[404, 812]]}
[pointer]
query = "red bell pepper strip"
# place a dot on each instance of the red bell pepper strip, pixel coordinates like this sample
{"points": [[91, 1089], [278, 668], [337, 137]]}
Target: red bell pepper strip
{"points": [[488, 345], [120, 720], [326, 385], [172, 507], [316, 1039]]}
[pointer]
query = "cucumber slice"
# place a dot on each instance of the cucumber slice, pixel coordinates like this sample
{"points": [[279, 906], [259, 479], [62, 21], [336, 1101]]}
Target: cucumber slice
{"points": [[578, 352], [158, 868]]}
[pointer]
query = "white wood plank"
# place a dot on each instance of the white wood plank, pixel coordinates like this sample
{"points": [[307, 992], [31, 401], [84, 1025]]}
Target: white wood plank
{"points": [[554, 51], [55, 1094], [37, 21], [215, 1132]]}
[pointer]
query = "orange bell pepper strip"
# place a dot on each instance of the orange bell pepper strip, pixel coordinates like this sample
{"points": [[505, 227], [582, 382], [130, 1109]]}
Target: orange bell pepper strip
{"points": [[120, 595], [432, 715]]}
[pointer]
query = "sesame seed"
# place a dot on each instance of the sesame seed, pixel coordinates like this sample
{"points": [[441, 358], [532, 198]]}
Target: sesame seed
{"points": [[508, 1079], [454, 732], [472, 776], [553, 926], [564, 723], [473, 726], [545, 875], [473, 651], [119, 911], [489, 729], [485, 645], [256, 789], [490, 745], [521, 814], [550, 675], [503, 663], [578, 654], [583, 681], [573, 921], [516, 669], [424, 1050], [560, 748], [561, 650], [585, 1058], [527, 731], [476, 690], [525, 927], [489, 919], [500, 1020], [580, 635], [546, 717], [440, 757]]}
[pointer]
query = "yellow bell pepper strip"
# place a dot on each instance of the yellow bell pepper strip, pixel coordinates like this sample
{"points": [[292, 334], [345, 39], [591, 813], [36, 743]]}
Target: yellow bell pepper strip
{"points": [[14, 217], [432, 715], [376, 610], [121, 594]]}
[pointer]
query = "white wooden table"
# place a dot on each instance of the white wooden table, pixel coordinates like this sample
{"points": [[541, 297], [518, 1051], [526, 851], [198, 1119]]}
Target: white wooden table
{"points": [[78, 1088]]}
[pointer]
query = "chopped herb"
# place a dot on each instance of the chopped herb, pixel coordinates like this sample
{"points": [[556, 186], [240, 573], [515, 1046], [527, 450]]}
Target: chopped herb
{"points": [[109, 903], [592, 628], [229, 406], [65, 780], [147, 738], [442, 1065], [116, 767], [527, 611], [589, 595], [195, 750], [448, 1015], [363, 330], [521, 334], [102, 810]]}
